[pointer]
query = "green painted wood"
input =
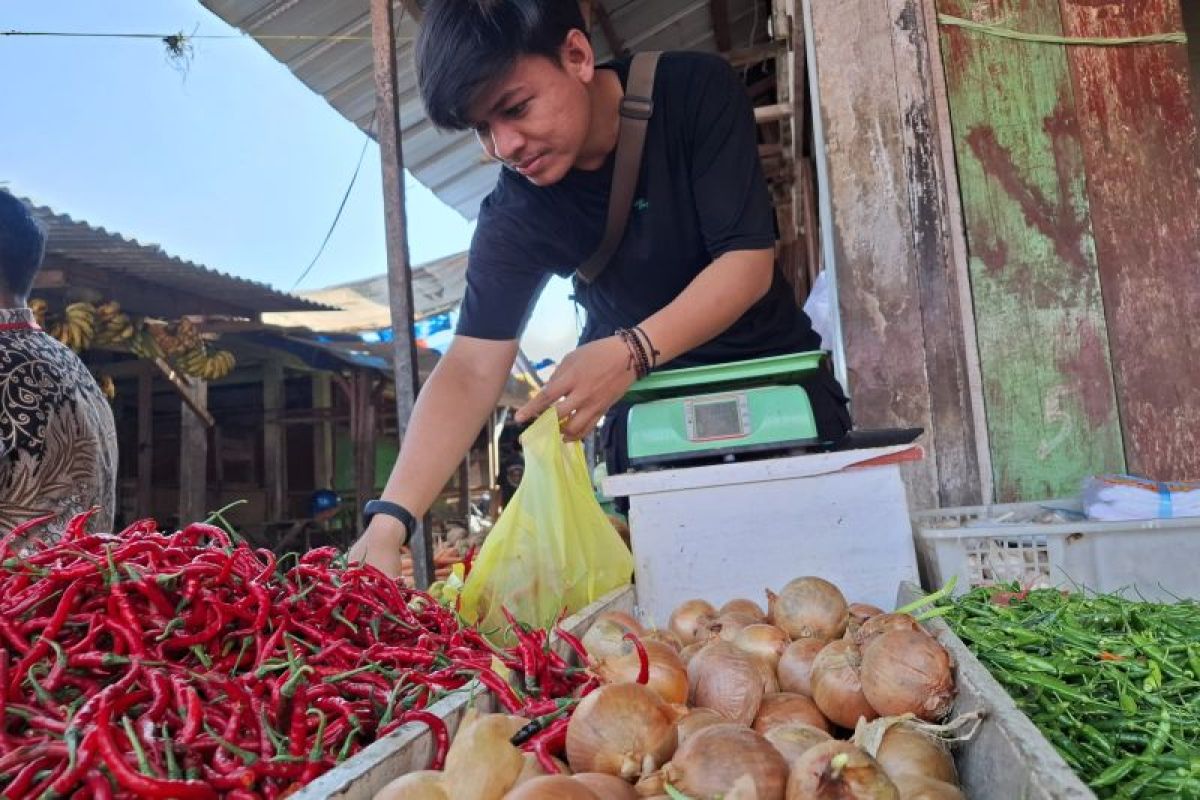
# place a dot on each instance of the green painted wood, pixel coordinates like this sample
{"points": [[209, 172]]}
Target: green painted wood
{"points": [[1043, 341]]}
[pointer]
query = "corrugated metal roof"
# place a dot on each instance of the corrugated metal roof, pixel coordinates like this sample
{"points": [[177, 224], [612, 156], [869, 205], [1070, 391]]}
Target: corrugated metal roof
{"points": [[451, 165], [438, 286], [80, 242]]}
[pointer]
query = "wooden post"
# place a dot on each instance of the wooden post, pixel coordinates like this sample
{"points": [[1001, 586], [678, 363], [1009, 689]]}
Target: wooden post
{"points": [[322, 403], [362, 433], [145, 440], [274, 464], [193, 456], [464, 487], [400, 298]]}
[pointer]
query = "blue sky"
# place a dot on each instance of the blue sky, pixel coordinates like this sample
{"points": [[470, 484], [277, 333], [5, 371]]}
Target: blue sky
{"points": [[234, 163]]}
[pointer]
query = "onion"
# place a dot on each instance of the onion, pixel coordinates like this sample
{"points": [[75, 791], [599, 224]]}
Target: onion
{"points": [[606, 787], [729, 625], [905, 750], [763, 641], [837, 688], [767, 671], [861, 612], [622, 729], [482, 762], [795, 666], [604, 640], [423, 785], [664, 636], [708, 763], [875, 627], [917, 787], [809, 608], [691, 620], [743, 606], [793, 739], [533, 769], [908, 672], [685, 655], [552, 787], [782, 708], [838, 771], [696, 720], [668, 676], [726, 680]]}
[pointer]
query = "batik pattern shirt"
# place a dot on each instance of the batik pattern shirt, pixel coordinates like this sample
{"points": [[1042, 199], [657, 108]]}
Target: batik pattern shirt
{"points": [[58, 445]]}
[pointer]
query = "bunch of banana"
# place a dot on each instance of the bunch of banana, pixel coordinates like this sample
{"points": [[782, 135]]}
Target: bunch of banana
{"points": [[77, 328], [113, 326], [199, 363], [168, 342], [143, 345], [39, 307], [188, 334]]}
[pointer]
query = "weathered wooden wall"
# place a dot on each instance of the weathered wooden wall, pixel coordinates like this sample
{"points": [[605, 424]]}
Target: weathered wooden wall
{"points": [[897, 285], [1042, 337], [1079, 169], [1138, 129]]}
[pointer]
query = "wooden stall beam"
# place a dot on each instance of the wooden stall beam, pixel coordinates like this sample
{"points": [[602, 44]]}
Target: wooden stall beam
{"points": [[274, 458], [322, 422], [193, 455], [615, 43], [145, 440], [400, 293], [718, 11]]}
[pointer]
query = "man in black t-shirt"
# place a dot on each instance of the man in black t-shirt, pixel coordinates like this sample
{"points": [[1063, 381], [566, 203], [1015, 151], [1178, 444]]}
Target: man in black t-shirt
{"points": [[694, 272]]}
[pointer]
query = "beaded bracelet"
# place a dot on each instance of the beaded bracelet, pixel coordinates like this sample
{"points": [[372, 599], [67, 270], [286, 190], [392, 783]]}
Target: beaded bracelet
{"points": [[638, 359]]}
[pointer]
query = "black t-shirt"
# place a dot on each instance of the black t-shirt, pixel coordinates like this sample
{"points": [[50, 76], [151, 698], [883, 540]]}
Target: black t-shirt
{"points": [[701, 193]]}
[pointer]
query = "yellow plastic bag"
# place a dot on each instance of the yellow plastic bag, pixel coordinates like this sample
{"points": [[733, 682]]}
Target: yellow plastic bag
{"points": [[553, 548]]}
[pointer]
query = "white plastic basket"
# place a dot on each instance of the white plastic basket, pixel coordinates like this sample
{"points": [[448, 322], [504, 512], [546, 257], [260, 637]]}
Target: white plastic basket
{"points": [[1155, 559]]}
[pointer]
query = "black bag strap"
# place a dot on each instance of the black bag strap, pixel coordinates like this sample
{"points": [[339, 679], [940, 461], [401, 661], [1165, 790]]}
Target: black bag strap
{"points": [[637, 106]]}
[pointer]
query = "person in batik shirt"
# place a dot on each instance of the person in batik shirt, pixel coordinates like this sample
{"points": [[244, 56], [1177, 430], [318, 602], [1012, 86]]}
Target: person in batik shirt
{"points": [[58, 446]]}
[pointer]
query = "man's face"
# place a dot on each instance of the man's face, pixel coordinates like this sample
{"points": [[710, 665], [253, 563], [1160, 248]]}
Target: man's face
{"points": [[536, 118]]}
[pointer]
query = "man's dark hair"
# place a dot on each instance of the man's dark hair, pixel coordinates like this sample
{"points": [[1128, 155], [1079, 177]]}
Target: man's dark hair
{"points": [[464, 45], [22, 243]]}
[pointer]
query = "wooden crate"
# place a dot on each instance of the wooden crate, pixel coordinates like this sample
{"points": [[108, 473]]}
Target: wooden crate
{"points": [[410, 747]]}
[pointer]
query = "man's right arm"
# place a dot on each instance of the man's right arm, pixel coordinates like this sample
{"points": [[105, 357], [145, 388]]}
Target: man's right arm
{"points": [[449, 413]]}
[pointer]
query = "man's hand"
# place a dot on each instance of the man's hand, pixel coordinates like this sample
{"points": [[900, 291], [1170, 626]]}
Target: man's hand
{"points": [[586, 384], [380, 546]]}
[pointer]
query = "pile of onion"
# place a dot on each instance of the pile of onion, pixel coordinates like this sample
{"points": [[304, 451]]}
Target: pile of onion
{"points": [[691, 621], [605, 639], [908, 672], [728, 625], [668, 676], [794, 739], [795, 666], [712, 760], [783, 708], [906, 750], [809, 608], [916, 787], [875, 627], [552, 787], [837, 685], [726, 680], [839, 771], [743, 606], [763, 641], [696, 720], [622, 729]]}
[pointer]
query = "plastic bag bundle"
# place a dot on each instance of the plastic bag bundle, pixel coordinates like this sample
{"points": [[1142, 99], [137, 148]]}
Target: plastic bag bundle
{"points": [[553, 549], [1127, 497]]}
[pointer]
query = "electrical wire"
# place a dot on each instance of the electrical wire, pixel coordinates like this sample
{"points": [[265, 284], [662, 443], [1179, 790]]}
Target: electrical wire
{"points": [[342, 205]]}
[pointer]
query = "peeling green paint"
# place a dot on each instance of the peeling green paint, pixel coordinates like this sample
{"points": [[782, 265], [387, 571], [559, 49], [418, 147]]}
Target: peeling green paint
{"points": [[1043, 343]]}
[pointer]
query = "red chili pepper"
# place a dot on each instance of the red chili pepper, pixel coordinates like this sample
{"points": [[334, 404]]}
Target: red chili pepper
{"points": [[65, 605], [499, 687], [74, 528], [20, 530], [643, 658], [550, 743], [575, 644]]}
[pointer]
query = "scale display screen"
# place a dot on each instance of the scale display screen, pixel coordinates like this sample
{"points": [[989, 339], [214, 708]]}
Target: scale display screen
{"points": [[712, 418]]}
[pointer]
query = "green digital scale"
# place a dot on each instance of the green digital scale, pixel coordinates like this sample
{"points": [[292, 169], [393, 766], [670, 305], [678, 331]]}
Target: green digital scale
{"points": [[722, 411]]}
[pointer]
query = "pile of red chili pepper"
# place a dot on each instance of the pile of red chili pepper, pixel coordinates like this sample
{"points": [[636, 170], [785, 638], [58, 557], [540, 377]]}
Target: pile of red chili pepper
{"points": [[184, 665]]}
